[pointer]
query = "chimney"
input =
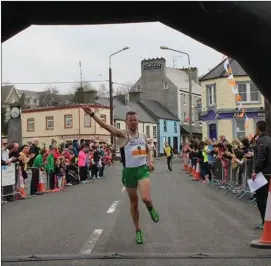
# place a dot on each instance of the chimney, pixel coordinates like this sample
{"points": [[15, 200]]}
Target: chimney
{"points": [[123, 98], [194, 73], [134, 96], [154, 66]]}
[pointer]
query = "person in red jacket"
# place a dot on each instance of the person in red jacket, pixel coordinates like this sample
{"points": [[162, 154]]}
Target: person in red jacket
{"points": [[56, 153]]}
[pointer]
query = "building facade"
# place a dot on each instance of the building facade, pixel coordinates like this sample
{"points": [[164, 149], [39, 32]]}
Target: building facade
{"points": [[220, 114], [169, 131], [170, 87], [168, 125], [63, 123]]}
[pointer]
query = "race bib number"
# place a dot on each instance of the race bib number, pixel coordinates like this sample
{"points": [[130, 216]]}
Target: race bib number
{"points": [[139, 151]]}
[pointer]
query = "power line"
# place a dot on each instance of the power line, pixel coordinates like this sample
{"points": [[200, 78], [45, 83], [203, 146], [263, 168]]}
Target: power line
{"points": [[55, 82], [61, 82]]}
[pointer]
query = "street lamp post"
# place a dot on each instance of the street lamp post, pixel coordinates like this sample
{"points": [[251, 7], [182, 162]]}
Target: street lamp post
{"points": [[111, 91], [190, 86]]}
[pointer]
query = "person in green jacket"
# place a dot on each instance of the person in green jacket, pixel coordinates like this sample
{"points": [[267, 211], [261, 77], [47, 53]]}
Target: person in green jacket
{"points": [[37, 165], [50, 167]]}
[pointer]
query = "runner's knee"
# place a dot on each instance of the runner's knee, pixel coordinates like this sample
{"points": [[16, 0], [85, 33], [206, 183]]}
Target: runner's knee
{"points": [[146, 199]]}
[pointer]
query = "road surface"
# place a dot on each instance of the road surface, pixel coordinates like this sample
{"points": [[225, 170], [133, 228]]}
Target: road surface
{"points": [[90, 225]]}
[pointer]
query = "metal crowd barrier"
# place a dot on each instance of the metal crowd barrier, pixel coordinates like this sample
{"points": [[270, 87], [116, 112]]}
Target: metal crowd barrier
{"points": [[12, 182], [9, 174], [232, 177]]}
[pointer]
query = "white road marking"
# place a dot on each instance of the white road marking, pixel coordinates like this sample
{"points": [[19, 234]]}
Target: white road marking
{"points": [[123, 189], [89, 245], [113, 207]]}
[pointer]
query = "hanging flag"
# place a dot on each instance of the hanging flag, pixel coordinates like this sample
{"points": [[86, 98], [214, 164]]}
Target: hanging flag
{"points": [[232, 83]]}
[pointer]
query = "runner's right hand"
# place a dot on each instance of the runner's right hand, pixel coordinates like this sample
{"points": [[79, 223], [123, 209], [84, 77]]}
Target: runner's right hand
{"points": [[87, 109]]}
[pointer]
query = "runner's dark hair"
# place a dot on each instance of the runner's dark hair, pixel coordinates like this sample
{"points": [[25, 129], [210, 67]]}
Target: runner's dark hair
{"points": [[130, 113]]}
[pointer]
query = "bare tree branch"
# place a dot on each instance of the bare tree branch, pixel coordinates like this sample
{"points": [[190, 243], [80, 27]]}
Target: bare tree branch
{"points": [[49, 97]]}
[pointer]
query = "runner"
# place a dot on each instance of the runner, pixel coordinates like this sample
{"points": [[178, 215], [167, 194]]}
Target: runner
{"points": [[136, 170]]}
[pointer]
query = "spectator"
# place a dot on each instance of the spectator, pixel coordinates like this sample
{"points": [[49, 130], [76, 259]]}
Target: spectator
{"points": [[38, 166], [82, 164], [60, 171], [262, 165], [50, 167]]}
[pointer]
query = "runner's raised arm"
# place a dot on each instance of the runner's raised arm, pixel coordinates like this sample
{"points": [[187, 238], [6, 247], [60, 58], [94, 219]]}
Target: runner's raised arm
{"points": [[116, 132]]}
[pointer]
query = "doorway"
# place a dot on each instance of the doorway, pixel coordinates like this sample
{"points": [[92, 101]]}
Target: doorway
{"points": [[212, 131], [175, 144]]}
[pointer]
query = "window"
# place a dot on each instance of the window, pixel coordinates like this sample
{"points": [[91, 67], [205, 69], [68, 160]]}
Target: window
{"points": [[249, 93], [103, 117], [49, 122], [165, 126], [138, 87], [165, 86], [211, 94], [148, 131], [118, 125], [154, 134], [30, 124], [240, 128], [184, 99], [87, 120], [175, 127], [68, 121]]}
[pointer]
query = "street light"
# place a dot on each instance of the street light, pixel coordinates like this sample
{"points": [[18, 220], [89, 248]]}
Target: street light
{"points": [[111, 90], [190, 87]]}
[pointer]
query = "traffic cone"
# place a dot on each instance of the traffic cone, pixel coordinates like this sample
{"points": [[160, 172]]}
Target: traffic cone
{"points": [[41, 185], [193, 170], [265, 241], [21, 190], [197, 176], [189, 170]]}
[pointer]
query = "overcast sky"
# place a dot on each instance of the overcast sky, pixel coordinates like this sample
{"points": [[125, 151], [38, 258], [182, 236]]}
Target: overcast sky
{"points": [[52, 53]]}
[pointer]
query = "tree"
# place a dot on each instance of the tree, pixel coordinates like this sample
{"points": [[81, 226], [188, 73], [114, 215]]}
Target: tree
{"points": [[103, 92], [49, 97], [122, 90], [22, 101]]}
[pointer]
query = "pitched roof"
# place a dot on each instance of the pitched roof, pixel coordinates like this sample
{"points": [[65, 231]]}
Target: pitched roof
{"points": [[219, 71], [28, 93], [120, 110], [158, 110], [5, 91]]}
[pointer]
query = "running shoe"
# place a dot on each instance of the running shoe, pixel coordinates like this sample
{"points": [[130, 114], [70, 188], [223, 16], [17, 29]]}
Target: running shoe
{"points": [[259, 227], [139, 237], [154, 215]]}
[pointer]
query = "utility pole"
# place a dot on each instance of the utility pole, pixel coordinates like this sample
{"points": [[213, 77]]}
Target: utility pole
{"points": [[111, 101], [190, 87], [80, 68], [111, 91]]}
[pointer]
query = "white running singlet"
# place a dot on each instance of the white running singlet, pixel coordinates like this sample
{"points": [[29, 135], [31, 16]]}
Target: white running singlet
{"points": [[134, 153]]}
